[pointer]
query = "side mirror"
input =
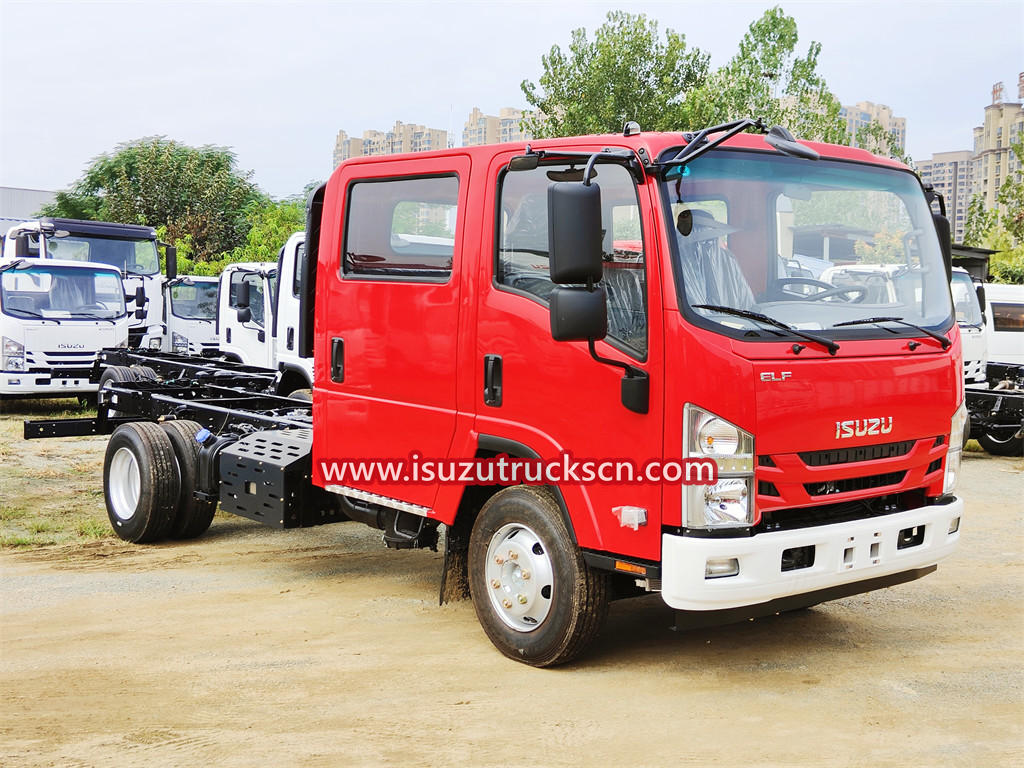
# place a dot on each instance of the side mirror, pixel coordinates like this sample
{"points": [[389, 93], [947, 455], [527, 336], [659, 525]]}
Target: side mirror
{"points": [[574, 232], [945, 242], [242, 295], [140, 314], [244, 314], [979, 288], [140, 296], [171, 254], [21, 246], [578, 314]]}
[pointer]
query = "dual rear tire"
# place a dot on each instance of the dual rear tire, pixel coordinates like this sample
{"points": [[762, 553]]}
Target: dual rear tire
{"points": [[150, 473]]}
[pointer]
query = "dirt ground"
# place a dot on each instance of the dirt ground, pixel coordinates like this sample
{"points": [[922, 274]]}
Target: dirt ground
{"points": [[321, 648]]}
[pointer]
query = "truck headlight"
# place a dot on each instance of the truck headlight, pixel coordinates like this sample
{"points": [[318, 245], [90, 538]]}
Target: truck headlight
{"points": [[179, 343], [729, 503], [953, 452], [13, 355]]}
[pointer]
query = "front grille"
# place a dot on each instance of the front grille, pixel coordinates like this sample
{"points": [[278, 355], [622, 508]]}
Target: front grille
{"points": [[830, 487], [935, 466], [861, 453], [841, 512], [765, 488]]}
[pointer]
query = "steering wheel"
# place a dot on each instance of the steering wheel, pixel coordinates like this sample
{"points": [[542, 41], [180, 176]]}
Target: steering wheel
{"points": [[860, 290], [777, 291]]}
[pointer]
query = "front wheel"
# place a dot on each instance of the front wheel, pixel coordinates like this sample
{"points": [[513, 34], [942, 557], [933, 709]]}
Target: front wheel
{"points": [[535, 597]]}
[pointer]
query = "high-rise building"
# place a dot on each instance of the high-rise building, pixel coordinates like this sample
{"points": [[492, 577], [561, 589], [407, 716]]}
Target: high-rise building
{"points": [[403, 137], [863, 112], [952, 175], [490, 129], [993, 160]]}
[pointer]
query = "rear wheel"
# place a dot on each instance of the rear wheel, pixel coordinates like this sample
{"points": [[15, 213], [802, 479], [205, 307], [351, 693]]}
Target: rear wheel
{"points": [[535, 597], [192, 516], [1002, 443], [302, 394], [144, 373], [140, 482]]}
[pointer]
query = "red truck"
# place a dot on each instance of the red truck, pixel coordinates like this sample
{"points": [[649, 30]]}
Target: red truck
{"points": [[635, 300]]}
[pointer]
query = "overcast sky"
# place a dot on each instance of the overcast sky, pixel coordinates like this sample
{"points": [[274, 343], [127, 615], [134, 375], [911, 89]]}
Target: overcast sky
{"points": [[275, 81]]}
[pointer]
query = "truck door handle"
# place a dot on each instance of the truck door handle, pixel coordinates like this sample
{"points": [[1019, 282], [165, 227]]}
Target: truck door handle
{"points": [[290, 341], [337, 359], [492, 380]]}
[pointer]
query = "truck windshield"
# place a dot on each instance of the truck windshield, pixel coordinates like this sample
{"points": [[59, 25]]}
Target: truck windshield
{"points": [[62, 293], [194, 300], [807, 243], [965, 300], [133, 256]]}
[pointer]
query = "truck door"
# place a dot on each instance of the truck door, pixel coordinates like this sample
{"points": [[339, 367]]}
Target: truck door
{"points": [[554, 397], [286, 317], [247, 339], [388, 295]]}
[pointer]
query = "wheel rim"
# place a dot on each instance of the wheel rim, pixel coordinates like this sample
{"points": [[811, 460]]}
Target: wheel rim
{"points": [[124, 482], [520, 577]]}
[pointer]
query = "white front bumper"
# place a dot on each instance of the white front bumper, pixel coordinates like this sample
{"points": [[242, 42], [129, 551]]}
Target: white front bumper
{"points": [[844, 553], [53, 388]]}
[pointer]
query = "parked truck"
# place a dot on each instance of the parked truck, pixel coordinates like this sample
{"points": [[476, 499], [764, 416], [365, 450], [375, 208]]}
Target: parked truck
{"points": [[480, 305], [190, 315], [130, 248], [259, 314], [55, 316]]}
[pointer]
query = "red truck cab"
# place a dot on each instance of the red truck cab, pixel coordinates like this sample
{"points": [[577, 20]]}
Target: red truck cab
{"points": [[692, 324]]}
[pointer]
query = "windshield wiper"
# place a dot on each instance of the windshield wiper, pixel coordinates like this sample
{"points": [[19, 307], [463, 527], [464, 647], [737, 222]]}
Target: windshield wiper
{"points": [[30, 313], [830, 345], [136, 273], [12, 265], [943, 340], [90, 316]]}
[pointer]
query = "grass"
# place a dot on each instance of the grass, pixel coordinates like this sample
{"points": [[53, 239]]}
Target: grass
{"points": [[51, 491]]}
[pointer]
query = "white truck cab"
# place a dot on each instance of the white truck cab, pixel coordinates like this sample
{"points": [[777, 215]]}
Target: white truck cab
{"points": [[245, 312], [55, 315], [129, 247], [1006, 322], [973, 337], [258, 315], [190, 315]]}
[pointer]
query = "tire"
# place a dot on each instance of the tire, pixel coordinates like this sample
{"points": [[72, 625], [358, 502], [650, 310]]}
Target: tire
{"points": [[192, 516], [302, 394], [115, 374], [552, 612], [144, 373], [140, 482], [1003, 444]]}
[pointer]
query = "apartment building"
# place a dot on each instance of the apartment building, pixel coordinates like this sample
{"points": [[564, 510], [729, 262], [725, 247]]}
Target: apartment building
{"points": [[494, 129], [1003, 125], [403, 137], [863, 112], [952, 175]]}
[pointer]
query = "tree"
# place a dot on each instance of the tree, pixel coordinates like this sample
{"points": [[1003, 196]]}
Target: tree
{"points": [[194, 193], [1002, 228], [270, 225], [627, 72], [767, 79]]}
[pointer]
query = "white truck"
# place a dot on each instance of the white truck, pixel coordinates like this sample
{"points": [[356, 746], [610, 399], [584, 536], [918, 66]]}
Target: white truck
{"points": [[190, 315], [130, 248], [1006, 322], [969, 316], [258, 315], [55, 315]]}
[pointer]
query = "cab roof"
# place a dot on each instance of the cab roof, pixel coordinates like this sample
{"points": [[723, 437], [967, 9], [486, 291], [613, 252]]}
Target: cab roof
{"points": [[653, 143]]}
